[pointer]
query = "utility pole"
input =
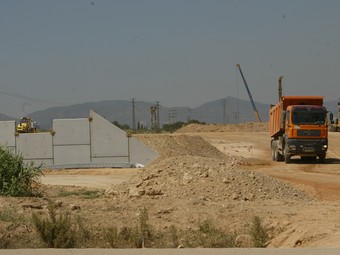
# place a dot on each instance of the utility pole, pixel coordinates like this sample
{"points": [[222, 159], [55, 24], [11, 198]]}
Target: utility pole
{"points": [[133, 115], [224, 111], [236, 117], [158, 121], [154, 121]]}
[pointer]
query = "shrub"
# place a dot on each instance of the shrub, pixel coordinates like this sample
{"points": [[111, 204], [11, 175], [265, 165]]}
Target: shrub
{"points": [[61, 231], [259, 233], [209, 236], [16, 177]]}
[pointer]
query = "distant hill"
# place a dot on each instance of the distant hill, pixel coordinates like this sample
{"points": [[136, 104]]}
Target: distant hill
{"points": [[121, 110], [5, 117]]}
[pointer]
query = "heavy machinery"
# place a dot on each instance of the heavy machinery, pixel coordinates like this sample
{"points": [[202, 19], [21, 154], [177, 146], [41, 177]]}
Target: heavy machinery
{"points": [[249, 94], [298, 127], [26, 125], [334, 125]]}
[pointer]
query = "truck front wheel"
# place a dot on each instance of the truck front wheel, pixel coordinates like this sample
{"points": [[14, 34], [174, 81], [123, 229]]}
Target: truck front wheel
{"points": [[286, 155], [322, 158]]}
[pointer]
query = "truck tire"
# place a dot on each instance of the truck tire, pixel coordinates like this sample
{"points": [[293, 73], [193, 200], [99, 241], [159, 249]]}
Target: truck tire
{"points": [[278, 156], [273, 150], [322, 158], [286, 156]]}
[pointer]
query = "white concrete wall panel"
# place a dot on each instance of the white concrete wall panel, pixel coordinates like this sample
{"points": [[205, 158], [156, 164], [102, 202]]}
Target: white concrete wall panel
{"points": [[77, 141], [7, 133], [140, 153], [35, 146], [71, 131], [72, 154], [107, 139]]}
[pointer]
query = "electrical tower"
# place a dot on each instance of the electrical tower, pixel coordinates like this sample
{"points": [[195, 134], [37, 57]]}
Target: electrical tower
{"points": [[155, 122], [172, 116]]}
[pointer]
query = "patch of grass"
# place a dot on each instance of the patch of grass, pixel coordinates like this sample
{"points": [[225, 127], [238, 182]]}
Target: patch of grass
{"points": [[91, 194], [9, 214], [87, 194]]}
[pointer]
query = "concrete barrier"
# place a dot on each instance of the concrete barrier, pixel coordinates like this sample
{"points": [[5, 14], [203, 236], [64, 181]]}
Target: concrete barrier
{"points": [[92, 140]]}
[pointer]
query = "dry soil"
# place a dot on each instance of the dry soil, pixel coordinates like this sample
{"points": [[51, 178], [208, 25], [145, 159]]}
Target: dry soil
{"points": [[223, 173]]}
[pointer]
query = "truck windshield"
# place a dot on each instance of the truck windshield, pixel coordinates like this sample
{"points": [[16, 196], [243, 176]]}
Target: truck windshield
{"points": [[308, 118]]}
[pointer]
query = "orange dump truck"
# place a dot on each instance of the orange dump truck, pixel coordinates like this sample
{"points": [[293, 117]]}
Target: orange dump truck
{"points": [[298, 127]]}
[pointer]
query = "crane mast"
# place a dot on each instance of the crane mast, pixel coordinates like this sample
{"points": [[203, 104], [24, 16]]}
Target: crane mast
{"points": [[249, 94]]}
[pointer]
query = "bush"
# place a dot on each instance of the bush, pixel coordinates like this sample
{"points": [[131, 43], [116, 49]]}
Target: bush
{"points": [[16, 177], [259, 233], [208, 235], [60, 231]]}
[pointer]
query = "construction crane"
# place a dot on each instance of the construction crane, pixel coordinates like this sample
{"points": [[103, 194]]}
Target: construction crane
{"points": [[249, 94]]}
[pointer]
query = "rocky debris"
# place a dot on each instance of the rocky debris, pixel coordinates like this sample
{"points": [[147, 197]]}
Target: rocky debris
{"points": [[244, 241], [74, 207], [189, 167], [243, 127], [208, 179], [109, 192]]}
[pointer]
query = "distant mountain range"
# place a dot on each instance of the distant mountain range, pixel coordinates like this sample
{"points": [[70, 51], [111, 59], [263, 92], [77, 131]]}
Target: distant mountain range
{"points": [[215, 112]]}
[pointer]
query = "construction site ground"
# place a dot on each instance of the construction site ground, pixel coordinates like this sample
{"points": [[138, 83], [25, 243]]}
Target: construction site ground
{"points": [[221, 173]]}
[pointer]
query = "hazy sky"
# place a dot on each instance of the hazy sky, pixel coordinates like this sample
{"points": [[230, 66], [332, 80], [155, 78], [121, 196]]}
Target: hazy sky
{"points": [[178, 52]]}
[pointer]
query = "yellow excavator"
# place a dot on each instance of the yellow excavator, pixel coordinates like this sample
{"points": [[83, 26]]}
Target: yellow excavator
{"points": [[26, 125]]}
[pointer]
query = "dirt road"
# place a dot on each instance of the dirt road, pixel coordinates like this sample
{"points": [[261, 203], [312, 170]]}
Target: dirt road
{"points": [[321, 180], [92, 178]]}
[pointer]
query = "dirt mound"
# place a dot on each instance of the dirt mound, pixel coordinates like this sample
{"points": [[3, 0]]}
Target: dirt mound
{"points": [[243, 127], [191, 167], [181, 145], [208, 179]]}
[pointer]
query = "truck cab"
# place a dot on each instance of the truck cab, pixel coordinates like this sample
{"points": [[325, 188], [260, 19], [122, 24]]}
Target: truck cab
{"points": [[298, 127], [305, 132]]}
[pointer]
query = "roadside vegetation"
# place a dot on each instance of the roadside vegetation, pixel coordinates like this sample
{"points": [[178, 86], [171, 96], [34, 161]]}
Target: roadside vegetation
{"points": [[16, 177], [57, 227], [166, 128], [62, 229]]}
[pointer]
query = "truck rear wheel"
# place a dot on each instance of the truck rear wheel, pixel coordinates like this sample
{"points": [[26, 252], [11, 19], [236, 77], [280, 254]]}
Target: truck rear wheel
{"points": [[272, 145]]}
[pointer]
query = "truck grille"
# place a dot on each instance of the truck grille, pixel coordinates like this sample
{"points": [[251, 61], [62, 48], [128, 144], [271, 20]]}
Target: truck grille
{"points": [[308, 132]]}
